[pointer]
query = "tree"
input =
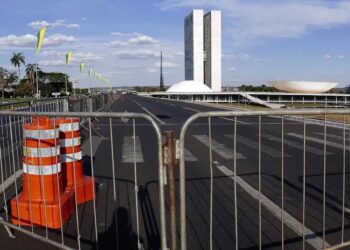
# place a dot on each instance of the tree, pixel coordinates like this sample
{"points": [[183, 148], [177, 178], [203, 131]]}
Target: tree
{"points": [[12, 77], [3, 79], [30, 72], [16, 60]]}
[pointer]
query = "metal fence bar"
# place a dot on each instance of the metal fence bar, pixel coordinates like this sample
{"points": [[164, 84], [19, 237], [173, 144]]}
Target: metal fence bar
{"points": [[344, 181], [304, 181], [284, 114], [21, 116], [93, 186], [282, 182], [324, 180], [259, 170], [211, 186], [235, 181]]}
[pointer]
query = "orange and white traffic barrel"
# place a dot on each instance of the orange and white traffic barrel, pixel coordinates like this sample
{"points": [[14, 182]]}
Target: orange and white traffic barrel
{"points": [[43, 201], [71, 159]]}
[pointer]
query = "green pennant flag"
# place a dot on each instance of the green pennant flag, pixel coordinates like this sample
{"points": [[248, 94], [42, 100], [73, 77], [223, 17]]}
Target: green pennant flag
{"points": [[40, 38], [95, 76], [90, 71], [82, 66], [68, 57]]}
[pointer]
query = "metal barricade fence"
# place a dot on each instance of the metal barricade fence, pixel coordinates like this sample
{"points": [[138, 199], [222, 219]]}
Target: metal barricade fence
{"points": [[273, 181], [103, 130]]}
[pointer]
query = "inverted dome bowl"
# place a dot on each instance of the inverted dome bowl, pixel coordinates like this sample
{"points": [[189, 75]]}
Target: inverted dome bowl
{"points": [[303, 86]]}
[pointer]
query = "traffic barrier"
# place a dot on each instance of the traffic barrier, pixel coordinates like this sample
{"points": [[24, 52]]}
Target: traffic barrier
{"points": [[44, 201], [71, 160]]}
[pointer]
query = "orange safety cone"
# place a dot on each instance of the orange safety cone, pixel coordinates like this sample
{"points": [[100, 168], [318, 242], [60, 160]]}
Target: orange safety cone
{"points": [[71, 159], [43, 201]]}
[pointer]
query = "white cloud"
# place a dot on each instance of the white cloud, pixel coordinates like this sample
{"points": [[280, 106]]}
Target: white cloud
{"points": [[84, 18], [252, 20], [55, 62], [139, 39], [232, 68], [328, 56], [341, 56], [29, 40], [58, 23], [142, 40], [59, 58], [137, 54], [151, 70], [244, 57], [117, 44], [125, 34], [166, 65]]}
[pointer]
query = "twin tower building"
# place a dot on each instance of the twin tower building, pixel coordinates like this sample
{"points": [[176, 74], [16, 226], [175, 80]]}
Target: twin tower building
{"points": [[203, 48]]}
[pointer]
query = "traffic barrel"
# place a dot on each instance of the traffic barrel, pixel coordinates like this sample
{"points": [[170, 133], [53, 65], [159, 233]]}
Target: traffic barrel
{"points": [[43, 201], [71, 160]]}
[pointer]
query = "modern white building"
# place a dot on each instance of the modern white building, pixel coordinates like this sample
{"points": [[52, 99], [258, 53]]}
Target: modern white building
{"points": [[203, 48], [304, 86]]}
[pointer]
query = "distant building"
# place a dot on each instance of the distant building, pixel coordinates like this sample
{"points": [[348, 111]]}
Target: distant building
{"points": [[203, 48]]}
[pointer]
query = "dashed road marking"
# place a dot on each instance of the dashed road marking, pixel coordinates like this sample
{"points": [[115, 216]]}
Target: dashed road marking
{"points": [[219, 148], [320, 141], [310, 236], [254, 145], [128, 154], [295, 144]]}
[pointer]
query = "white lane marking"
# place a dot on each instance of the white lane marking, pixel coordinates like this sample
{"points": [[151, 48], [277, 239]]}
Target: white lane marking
{"points": [[151, 114], [189, 156], [320, 141], [224, 118], [295, 144], [333, 136], [195, 110], [219, 148], [290, 221], [254, 145], [128, 150]]}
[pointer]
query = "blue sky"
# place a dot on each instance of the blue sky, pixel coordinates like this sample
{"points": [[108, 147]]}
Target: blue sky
{"points": [[263, 40]]}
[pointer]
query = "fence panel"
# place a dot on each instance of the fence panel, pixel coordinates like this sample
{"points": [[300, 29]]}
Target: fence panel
{"points": [[118, 204], [265, 179]]}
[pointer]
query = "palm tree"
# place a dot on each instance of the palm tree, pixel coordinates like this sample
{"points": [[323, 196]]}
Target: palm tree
{"points": [[31, 73], [16, 60], [12, 77], [3, 79]]}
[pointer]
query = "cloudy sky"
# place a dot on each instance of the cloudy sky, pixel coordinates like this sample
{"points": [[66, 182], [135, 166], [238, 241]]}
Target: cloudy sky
{"points": [[262, 39]]}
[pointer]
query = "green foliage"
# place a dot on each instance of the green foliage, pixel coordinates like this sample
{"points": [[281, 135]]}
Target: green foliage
{"points": [[24, 89], [81, 91], [262, 88]]}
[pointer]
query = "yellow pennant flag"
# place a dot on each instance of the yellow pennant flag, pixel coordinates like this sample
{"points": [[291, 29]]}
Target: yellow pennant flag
{"points": [[95, 76], [40, 38], [68, 57], [82, 66], [90, 71]]}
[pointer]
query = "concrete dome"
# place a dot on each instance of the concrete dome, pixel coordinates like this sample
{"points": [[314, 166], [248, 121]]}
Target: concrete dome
{"points": [[303, 86], [189, 87]]}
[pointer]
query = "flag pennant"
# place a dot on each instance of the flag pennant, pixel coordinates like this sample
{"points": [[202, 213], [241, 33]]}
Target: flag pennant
{"points": [[82, 66], [40, 38], [68, 57], [90, 71]]}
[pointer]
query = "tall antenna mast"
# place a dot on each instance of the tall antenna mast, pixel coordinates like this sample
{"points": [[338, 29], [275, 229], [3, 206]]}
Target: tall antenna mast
{"points": [[161, 87]]}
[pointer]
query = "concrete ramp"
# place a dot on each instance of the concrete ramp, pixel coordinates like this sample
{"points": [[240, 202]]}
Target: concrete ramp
{"points": [[261, 102]]}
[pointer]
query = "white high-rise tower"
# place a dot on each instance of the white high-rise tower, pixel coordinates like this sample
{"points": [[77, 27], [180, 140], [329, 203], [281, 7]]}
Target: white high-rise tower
{"points": [[203, 48]]}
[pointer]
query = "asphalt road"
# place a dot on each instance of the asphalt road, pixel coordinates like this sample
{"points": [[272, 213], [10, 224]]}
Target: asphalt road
{"points": [[117, 215]]}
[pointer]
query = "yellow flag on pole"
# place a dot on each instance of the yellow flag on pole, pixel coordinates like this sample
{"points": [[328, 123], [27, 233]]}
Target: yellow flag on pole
{"points": [[82, 66], [40, 38], [68, 57]]}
